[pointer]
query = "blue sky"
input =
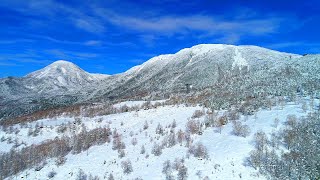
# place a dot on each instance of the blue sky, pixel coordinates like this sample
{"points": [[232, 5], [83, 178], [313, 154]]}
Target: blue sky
{"points": [[111, 36]]}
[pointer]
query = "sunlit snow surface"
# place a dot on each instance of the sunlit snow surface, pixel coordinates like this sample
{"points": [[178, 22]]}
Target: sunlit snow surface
{"points": [[226, 151]]}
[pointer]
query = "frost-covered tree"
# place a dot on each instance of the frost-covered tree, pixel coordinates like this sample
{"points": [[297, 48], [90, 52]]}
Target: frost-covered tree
{"points": [[146, 125], [143, 149], [126, 166], [260, 140], [110, 177], [182, 173], [91, 177], [199, 151], [167, 170], [180, 136], [300, 160], [188, 139], [156, 149], [134, 141], [171, 140], [239, 129], [121, 153], [193, 126], [174, 124], [118, 143], [159, 129], [81, 175]]}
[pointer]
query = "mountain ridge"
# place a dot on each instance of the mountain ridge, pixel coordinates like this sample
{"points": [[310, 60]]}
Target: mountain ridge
{"points": [[202, 66]]}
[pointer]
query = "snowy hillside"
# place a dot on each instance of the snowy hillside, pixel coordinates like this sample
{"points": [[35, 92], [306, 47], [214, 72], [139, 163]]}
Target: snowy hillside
{"points": [[240, 71], [201, 65], [142, 131]]}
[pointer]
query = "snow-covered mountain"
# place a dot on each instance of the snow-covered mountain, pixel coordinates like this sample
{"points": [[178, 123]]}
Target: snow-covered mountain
{"points": [[237, 70], [201, 66], [60, 83], [244, 98], [61, 75]]}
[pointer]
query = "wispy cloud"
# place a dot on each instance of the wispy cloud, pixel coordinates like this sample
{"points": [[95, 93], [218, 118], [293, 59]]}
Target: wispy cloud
{"points": [[205, 26], [8, 64], [69, 55], [96, 20], [93, 43], [89, 24], [14, 41], [204, 23]]}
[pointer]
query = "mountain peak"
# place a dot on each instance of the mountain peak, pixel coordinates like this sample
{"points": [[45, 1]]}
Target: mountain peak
{"points": [[62, 63], [57, 68]]}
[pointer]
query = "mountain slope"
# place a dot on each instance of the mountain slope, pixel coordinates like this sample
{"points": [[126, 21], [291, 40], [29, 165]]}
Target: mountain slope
{"points": [[60, 83], [226, 152], [202, 66], [60, 75], [226, 70]]}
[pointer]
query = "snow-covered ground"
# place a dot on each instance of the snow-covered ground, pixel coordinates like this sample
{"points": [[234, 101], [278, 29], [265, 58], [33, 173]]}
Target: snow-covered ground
{"points": [[136, 103], [227, 152]]}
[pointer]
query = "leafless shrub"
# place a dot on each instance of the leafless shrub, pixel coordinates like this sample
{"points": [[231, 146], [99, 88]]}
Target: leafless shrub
{"points": [[62, 128], [199, 151], [233, 114], [118, 143], [193, 126], [239, 129], [40, 165], [60, 160], [197, 114], [51, 174]]}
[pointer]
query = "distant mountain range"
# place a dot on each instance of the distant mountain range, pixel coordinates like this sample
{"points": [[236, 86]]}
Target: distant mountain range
{"points": [[240, 70]]}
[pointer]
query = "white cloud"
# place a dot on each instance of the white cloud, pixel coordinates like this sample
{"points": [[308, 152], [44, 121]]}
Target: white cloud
{"points": [[97, 20], [93, 43], [183, 24], [70, 55], [89, 24]]}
